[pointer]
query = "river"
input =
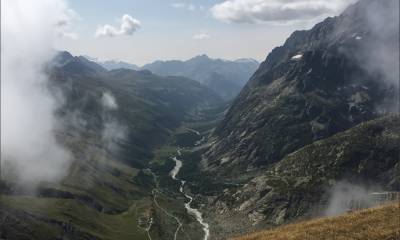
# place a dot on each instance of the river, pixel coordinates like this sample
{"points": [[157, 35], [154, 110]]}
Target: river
{"points": [[193, 211]]}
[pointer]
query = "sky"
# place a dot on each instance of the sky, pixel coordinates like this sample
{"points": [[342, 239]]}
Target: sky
{"points": [[143, 31]]}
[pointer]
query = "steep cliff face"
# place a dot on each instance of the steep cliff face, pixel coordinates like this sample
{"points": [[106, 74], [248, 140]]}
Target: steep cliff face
{"points": [[316, 116], [320, 82]]}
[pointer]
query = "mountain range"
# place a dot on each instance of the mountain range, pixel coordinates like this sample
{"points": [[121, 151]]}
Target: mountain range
{"points": [[113, 64], [159, 153], [224, 77]]}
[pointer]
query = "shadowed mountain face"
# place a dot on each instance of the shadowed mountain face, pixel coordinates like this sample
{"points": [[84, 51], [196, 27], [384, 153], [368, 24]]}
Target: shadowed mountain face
{"points": [[320, 113], [224, 77], [341, 72], [147, 107]]}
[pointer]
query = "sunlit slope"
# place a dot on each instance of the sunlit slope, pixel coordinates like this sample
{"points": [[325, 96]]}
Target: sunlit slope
{"points": [[381, 223]]}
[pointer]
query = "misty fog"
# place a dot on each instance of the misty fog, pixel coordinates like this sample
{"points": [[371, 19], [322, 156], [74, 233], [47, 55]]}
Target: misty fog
{"points": [[30, 151]]}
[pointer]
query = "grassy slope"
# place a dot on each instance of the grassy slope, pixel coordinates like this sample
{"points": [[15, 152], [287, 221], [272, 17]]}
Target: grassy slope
{"points": [[106, 182], [382, 223], [104, 226]]}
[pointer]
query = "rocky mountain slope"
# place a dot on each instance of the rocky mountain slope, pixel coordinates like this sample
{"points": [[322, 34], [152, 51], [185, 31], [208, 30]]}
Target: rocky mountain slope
{"points": [[224, 77], [320, 82], [304, 183], [315, 116]]}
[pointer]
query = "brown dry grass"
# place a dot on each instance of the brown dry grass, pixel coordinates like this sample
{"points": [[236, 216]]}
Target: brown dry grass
{"points": [[381, 223]]}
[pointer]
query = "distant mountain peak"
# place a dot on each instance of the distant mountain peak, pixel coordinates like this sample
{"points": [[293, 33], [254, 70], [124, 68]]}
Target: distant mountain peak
{"points": [[65, 54], [62, 58], [205, 56], [202, 57], [112, 64], [246, 60], [93, 59], [77, 64]]}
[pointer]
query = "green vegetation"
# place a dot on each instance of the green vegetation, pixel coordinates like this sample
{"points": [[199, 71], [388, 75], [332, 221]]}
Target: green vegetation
{"points": [[80, 217], [162, 155], [186, 139]]}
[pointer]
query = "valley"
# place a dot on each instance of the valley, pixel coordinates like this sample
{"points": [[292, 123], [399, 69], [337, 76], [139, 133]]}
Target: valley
{"points": [[116, 132], [110, 195], [212, 149]]}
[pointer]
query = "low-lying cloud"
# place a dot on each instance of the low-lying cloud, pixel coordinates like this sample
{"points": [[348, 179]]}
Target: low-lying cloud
{"points": [[258, 11], [129, 25], [345, 196], [29, 149], [377, 42], [113, 131], [108, 101], [65, 22]]}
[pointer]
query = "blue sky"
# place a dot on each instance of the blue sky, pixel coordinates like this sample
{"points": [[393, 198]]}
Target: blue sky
{"points": [[169, 29]]}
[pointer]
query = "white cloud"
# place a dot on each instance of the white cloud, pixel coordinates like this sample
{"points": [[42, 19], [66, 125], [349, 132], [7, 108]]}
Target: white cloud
{"points": [[65, 22], [201, 36], [129, 25], [109, 101], [258, 11], [69, 35], [113, 131], [29, 149]]}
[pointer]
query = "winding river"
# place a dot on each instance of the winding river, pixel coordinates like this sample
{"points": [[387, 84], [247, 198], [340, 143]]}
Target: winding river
{"points": [[193, 211]]}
